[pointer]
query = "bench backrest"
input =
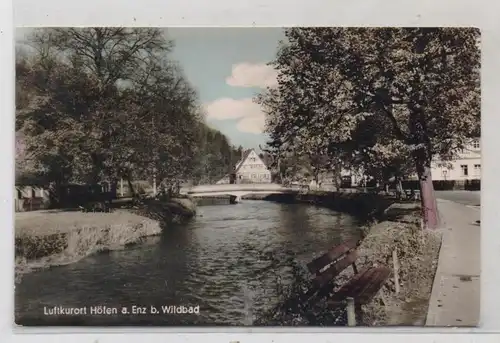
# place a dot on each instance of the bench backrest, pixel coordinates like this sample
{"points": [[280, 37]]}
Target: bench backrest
{"points": [[332, 263]]}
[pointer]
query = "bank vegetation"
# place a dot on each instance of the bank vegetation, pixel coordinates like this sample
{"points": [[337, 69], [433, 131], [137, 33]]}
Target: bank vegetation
{"points": [[381, 101], [396, 234], [103, 104]]}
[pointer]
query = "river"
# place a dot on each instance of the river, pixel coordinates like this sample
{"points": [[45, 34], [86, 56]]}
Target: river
{"points": [[227, 261]]}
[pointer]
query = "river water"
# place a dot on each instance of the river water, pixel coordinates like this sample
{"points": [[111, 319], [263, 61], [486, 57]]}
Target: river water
{"points": [[228, 261]]}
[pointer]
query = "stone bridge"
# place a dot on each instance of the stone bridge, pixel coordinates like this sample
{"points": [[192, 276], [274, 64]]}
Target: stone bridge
{"points": [[236, 191]]}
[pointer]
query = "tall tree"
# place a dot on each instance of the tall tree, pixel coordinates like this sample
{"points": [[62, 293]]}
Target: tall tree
{"points": [[104, 103], [421, 85]]}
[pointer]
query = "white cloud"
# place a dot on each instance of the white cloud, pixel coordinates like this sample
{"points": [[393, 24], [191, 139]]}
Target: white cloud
{"points": [[252, 75], [248, 114], [250, 117]]}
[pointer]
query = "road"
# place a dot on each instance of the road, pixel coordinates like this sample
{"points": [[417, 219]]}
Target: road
{"points": [[471, 198]]}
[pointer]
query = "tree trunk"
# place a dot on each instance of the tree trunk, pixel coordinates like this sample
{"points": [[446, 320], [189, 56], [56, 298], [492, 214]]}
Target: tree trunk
{"points": [[427, 197], [154, 184], [399, 187], [316, 179], [131, 187], [280, 173], [113, 190], [423, 158], [54, 194], [337, 177]]}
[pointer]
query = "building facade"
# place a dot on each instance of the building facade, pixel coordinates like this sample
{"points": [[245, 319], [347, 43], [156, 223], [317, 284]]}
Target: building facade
{"points": [[250, 169], [30, 198], [467, 165]]}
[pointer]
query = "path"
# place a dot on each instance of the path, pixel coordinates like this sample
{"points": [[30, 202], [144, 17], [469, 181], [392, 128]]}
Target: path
{"points": [[455, 298], [472, 198]]}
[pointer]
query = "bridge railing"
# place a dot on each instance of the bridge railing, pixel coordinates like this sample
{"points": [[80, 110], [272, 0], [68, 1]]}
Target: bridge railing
{"points": [[238, 187]]}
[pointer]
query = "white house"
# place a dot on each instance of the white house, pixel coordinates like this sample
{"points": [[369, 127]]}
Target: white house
{"points": [[250, 169], [467, 166]]}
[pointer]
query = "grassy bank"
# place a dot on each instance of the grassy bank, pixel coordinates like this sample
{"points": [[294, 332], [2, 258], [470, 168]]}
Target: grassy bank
{"points": [[393, 227], [417, 252], [166, 212], [55, 237]]}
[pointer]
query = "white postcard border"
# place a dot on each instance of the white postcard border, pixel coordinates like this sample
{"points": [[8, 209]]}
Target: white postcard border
{"points": [[482, 14]]}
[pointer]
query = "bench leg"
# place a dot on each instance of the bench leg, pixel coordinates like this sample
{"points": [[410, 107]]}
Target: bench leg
{"points": [[351, 312], [354, 313]]}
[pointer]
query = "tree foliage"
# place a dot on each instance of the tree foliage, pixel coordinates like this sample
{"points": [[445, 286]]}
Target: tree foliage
{"points": [[216, 155], [377, 98], [99, 104]]}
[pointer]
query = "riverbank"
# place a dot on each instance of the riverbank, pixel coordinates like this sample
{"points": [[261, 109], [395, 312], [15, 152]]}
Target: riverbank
{"points": [[364, 206], [417, 252], [58, 237], [393, 227]]}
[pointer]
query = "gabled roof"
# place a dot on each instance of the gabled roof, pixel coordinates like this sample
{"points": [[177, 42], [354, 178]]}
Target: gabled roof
{"points": [[246, 153]]}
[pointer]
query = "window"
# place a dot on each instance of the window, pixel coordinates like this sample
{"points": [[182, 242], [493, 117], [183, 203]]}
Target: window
{"points": [[465, 170], [444, 172], [476, 145], [477, 169]]}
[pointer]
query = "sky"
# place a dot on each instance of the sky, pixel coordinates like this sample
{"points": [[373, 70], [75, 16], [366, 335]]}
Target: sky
{"points": [[227, 67]]}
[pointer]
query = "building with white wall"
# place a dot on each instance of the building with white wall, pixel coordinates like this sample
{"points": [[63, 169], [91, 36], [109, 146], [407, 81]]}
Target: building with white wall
{"points": [[250, 169], [467, 165]]}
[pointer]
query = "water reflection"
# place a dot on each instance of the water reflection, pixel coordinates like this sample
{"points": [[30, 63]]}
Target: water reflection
{"points": [[227, 261]]}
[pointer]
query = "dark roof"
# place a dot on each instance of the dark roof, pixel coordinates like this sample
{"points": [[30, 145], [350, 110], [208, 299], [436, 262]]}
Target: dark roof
{"points": [[245, 156]]}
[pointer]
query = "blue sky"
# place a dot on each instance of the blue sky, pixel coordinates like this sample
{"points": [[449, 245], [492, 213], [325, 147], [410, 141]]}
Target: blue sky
{"points": [[228, 67]]}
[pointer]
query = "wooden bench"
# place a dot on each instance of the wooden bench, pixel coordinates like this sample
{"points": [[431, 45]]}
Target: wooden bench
{"points": [[362, 286]]}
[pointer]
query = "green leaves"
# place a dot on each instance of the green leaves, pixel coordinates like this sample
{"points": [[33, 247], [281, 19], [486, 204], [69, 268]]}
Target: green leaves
{"points": [[98, 104], [382, 100], [359, 88]]}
